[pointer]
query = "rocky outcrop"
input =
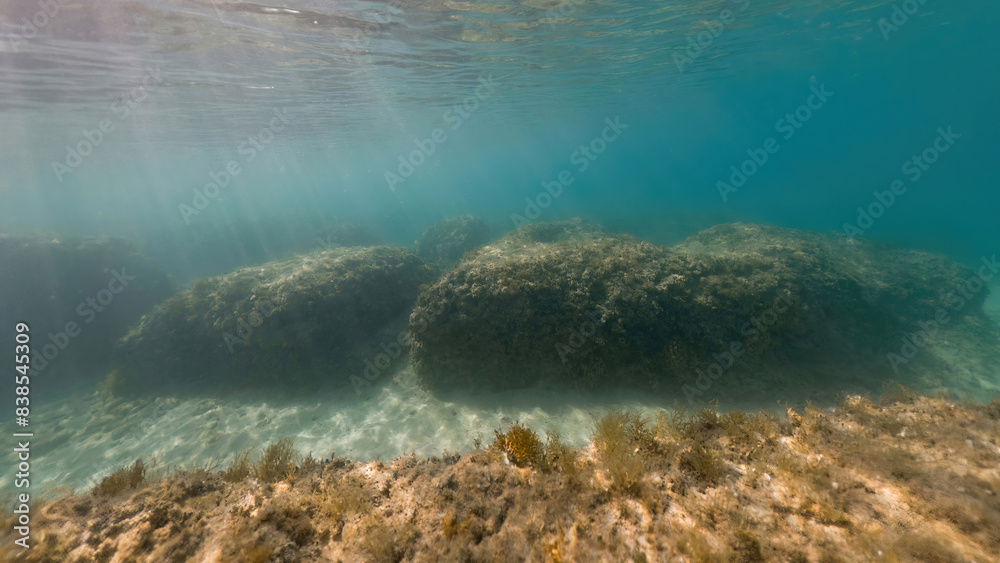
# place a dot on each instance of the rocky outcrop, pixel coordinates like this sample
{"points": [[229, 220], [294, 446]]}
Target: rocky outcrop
{"points": [[287, 324], [78, 295], [567, 303]]}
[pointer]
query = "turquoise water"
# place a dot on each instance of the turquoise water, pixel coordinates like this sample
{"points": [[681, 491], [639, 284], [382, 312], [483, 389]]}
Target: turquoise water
{"points": [[359, 84], [220, 134]]}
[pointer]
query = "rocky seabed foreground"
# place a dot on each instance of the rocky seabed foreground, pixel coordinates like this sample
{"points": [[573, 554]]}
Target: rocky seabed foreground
{"points": [[901, 478]]}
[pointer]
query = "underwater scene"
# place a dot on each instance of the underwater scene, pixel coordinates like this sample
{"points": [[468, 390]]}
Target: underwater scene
{"points": [[499, 281]]}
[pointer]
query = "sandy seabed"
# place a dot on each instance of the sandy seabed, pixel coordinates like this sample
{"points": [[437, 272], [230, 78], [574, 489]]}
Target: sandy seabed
{"points": [[901, 478]]}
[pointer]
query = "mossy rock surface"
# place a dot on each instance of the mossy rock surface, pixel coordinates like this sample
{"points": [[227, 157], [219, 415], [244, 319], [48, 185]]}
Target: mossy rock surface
{"points": [[567, 303], [100, 284], [903, 283], [287, 323], [447, 241]]}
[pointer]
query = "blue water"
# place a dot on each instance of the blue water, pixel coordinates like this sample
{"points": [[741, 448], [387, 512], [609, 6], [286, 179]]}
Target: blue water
{"points": [[360, 84], [119, 116]]}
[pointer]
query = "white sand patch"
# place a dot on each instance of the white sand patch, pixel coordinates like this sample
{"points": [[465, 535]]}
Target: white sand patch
{"points": [[84, 437]]}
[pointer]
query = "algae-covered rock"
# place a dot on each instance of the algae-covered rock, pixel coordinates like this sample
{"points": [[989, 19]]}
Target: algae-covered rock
{"points": [[289, 322], [907, 284], [445, 242], [78, 295], [579, 306]]}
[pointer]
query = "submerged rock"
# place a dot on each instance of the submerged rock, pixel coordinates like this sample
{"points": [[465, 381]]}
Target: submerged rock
{"points": [[283, 324], [78, 295], [569, 304], [445, 242]]}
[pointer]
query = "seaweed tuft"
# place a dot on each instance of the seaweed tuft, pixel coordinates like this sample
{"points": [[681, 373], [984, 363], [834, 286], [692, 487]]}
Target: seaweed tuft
{"points": [[622, 440], [126, 478], [276, 462], [521, 445]]}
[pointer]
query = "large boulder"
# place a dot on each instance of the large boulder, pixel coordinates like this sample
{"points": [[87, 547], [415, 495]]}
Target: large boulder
{"points": [[79, 295], [292, 323], [569, 304], [447, 241]]}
